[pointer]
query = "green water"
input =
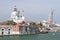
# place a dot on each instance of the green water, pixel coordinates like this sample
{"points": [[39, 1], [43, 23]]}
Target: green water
{"points": [[49, 36]]}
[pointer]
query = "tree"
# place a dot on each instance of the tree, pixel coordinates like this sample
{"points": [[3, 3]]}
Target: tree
{"points": [[40, 25], [10, 22]]}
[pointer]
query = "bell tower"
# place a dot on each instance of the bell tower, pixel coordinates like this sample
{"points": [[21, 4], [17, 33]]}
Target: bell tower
{"points": [[50, 21]]}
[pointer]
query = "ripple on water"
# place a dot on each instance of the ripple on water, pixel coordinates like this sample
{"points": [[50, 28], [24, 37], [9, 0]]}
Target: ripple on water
{"points": [[48, 36]]}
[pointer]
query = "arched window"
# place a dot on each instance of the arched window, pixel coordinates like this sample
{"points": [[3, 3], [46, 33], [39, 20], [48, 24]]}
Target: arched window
{"points": [[2, 31], [8, 31]]}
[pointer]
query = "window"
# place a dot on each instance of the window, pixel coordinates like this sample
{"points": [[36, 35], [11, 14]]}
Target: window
{"points": [[8, 31], [2, 31]]}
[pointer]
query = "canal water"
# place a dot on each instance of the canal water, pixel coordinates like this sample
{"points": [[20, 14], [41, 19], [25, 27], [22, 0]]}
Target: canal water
{"points": [[48, 36]]}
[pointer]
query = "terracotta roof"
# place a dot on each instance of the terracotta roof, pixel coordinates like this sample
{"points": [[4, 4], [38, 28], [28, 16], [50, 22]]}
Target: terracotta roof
{"points": [[3, 23]]}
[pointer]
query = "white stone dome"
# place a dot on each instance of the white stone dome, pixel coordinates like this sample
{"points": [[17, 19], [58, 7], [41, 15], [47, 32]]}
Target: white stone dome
{"points": [[14, 13], [44, 21], [17, 16]]}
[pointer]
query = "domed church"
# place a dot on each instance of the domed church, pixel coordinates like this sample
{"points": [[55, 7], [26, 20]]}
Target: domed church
{"points": [[17, 16]]}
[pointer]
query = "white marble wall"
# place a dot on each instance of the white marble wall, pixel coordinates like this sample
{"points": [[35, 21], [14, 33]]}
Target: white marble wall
{"points": [[6, 30]]}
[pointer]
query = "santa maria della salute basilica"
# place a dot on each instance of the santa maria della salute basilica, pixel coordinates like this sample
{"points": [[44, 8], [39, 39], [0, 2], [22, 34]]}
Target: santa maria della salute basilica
{"points": [[17, 16], [17, 24]]}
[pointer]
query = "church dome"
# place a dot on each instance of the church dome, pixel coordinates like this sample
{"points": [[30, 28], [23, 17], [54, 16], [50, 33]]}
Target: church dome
{"points": [[17, 16], [14, 13]]}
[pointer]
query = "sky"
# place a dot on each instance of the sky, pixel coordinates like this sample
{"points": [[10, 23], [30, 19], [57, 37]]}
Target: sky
{"points": [[34, 10]]}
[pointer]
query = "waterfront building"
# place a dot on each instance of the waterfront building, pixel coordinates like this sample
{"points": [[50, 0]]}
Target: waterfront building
{"points": [[50, 24], [5, 29], [14, 25], [17, 25]]}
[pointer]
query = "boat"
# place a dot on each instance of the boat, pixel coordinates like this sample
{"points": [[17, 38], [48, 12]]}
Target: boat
{"points": [[43, 31]]}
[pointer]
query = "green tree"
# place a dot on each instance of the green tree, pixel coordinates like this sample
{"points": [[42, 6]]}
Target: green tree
{"points": [[10, 22], [40, 25]]}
